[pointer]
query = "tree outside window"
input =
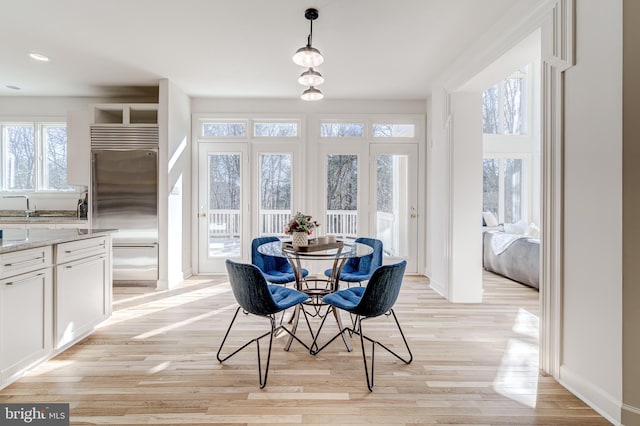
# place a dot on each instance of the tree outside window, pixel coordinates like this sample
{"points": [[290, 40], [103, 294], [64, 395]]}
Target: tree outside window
{"points": [[504, 105], [34, 157], [503, 188]]}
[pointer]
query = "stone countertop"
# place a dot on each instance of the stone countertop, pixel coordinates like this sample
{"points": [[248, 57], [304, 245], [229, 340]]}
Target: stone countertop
{"points": [[21, 239], [40, 219], [40, 216]]}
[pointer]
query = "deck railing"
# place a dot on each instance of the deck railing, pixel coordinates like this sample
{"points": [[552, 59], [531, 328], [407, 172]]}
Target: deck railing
{"points": [[343, 223], [226, 223], [272, 222]]}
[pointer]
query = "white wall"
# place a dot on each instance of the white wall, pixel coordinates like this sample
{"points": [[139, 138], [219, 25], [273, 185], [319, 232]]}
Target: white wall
{"points": [[438, 200], [178, 182], [466, 207], [592, 328], [591, 343], [206, 105]]}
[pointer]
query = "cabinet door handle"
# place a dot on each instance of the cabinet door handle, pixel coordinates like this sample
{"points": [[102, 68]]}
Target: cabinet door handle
{"points": [[92, 260], [99, 246], [25, 262], [25, 279]]}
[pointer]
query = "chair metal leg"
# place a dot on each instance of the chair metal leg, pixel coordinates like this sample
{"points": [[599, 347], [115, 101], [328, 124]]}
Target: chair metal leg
{"points": [[359, 331], [262, 377], [263, 381], [317, 350]]}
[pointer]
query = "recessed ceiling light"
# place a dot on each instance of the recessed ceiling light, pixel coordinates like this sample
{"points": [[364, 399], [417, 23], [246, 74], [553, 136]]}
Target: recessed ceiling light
{"points": [[39, 57], [12, 87]]}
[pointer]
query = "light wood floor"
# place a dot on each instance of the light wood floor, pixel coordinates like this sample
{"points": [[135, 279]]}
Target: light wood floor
{"points": [[154, 362]]}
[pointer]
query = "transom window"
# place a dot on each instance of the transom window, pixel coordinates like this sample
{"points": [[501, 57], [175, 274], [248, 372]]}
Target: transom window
{"points": [[236, 129], [388, 130], [342, 130], [275, 129], [34, 157]]}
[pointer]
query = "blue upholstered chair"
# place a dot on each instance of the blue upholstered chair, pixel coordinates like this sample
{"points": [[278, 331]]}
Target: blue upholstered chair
{"points": [[358, 269], [255, 296], [372, 301], [276, 270]]}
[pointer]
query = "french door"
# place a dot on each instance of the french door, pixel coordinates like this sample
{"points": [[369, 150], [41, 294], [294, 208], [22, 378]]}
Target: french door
{"points": [[393, 201], [223, 204], [245, 191], [370, 189]]}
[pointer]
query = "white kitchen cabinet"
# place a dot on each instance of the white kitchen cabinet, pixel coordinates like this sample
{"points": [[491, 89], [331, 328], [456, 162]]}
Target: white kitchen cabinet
{"points": [[124, 114], [78, 148], [26, 310], [23, 261], [82, 288]]}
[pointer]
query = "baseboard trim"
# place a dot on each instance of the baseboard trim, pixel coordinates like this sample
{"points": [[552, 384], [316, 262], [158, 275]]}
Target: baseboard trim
{"points": [[437, 287], [603, 403]]}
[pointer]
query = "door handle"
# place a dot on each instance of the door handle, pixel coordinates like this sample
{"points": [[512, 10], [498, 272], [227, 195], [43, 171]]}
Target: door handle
{"points": [[202, 215]]}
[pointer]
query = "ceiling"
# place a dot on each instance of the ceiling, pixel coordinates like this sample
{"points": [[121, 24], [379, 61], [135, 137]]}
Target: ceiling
{"points": [[373, 49]]}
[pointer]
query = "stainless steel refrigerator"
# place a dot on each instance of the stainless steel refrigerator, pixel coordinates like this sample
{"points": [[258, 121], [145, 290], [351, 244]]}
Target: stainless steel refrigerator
{"points": [[124, 196]]}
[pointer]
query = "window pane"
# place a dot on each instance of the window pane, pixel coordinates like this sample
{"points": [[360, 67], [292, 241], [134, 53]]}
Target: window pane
{"points": [[392, 204], [504, 106], [275, 193], [55, 148], [219, 130], [514, 106], [490, 112], [394, 130], [286, 130], [513, 190], [342, 195], [341, 130], [224, 205], [491, 186], [19, 164]]}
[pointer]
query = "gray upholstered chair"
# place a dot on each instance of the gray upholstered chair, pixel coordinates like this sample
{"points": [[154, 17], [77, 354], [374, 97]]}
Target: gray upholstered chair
{"points": [[255, 296], [372, 301]]}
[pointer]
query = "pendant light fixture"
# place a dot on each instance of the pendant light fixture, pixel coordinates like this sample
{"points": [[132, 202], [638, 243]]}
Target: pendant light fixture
{"points": [[311, 77], [312, 94], [309, 57]]}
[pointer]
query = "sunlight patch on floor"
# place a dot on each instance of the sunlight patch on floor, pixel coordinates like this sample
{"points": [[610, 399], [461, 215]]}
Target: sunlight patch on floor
{"points": [[163, 304], [518, 374], [179, 324]]}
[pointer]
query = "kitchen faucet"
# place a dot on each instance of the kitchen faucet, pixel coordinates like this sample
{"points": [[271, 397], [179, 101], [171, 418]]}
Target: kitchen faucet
{"points": [[28, 211]]}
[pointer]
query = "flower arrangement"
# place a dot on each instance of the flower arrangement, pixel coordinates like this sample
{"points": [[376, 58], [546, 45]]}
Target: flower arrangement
{"points": [[301, 222]]}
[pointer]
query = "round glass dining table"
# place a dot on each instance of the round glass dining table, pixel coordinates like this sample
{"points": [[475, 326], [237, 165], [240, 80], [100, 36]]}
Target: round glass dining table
{"points": [[339, 252]]}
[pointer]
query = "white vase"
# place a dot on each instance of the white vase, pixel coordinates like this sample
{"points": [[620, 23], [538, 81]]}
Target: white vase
{"points": [[299, 239]]}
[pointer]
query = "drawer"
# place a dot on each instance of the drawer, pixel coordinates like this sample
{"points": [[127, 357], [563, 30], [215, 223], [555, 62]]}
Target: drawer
{"points": [[22, 261], [66, 252]]}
